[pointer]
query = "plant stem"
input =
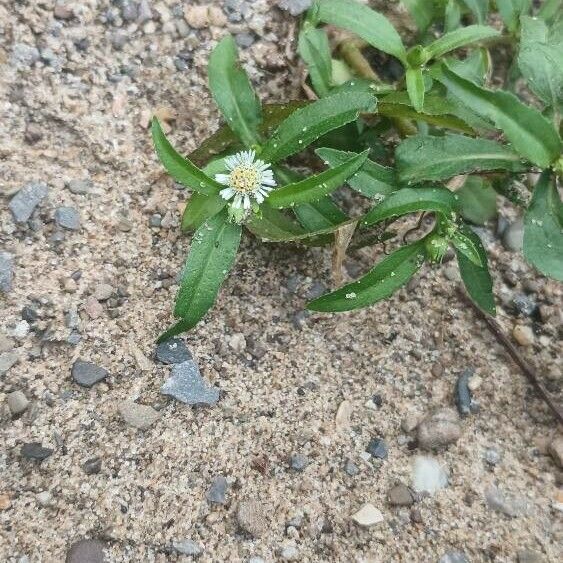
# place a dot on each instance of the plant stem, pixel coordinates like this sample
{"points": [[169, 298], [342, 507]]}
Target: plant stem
{"points": [[526, 368]]}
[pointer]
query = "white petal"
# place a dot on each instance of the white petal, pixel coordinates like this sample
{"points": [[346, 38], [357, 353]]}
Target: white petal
{"points": [[222, 179], [227, 193], [258, 196], [267, 182], [246, 202], [231, 162], [237, 202]]}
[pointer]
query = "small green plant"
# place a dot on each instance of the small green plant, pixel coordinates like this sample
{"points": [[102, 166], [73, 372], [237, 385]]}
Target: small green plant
{"points": [[438, 142]]}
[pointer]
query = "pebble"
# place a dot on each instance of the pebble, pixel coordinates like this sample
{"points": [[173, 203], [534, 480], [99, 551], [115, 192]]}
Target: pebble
{"points": [[529, 556], [93, 308], [5, 501], [245, 39], [33, 133], [63, 12], [20, 330], [513, 236], [87, 374], [217, 17], [173, 351], [256, 559], [6, 272], [103, 291], [80, 187], [523, 335], [367, 516], [197, 16], [34, 450], [351, 468], [555, 449], [378, 448], [138, 416], [298, 462], [17, 402], [454, 557], [187, 547], [6, 344], [44, 498], [67, 218], [525, 305], [23, 204], [462, 392], [23, 55], [217, 493], [188, 386], [7, 360], [289, 553], [410, 422], [505, 503], [129, 10], [295, 7], [492, 456], [251, 518], [439, 430], [86, 551], [92, 466], [400, 495], [428, 475], [237, 342]]}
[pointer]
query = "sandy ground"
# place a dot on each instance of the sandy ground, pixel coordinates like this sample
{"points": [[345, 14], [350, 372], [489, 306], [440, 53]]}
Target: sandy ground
{"points": [[88, 107]]}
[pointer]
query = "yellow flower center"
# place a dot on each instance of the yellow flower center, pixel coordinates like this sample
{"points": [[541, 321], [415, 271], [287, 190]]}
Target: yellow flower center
{"points": [[244, 179]]}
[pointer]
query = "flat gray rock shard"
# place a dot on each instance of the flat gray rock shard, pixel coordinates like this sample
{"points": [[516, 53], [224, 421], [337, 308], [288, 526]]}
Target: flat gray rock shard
{"points": [[185, 384], [26, 200], [173, 351], [87, 374], [6, 272]]}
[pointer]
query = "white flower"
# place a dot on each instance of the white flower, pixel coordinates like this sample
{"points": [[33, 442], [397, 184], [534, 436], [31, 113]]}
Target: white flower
{"points": [[248, 178]]}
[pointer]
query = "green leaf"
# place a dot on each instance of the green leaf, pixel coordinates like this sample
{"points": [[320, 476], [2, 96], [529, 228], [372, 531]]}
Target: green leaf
{"points": [[452, 15], [371, 26], [477, 279], [319, 215], [541, 61], [180, 168], [273, 225], [314, 49], [531, 134], [233, 92], [464, 244], [421, 12], [459, 38], [511, 10], [479, 8], [415, 87], [379, 283], [316, 187], [212, 254], [475, 67], [306, 125], [371, 180], [424, 157], [550, 9], [477, 200], [410, 200], [543, 229]]}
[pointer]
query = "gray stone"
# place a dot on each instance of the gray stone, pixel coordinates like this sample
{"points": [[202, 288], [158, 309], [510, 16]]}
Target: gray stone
{"points": [[44, 498], [217, 493], [103, 291], [507, 504], [289, 553], [7, 360], [454, 557], [251, 518], [513, 236], [525, 305], [462, 392], [187, 547], [17, 402], [378, 448], [6, 272], [67, 218], [80, 187], [92, 466], [400, 495], [351, 468], [26, 200], [144, 12], [6, 344], [428, 475], [256, 559], [173, 351], [492, 456], [187, 385], [87, 374], [439, 429], [86, 551], [129, 11], [34, 450], [295, 7], [138, 416], [245, 39], [298, 462], [529, 556], [23, 55]]}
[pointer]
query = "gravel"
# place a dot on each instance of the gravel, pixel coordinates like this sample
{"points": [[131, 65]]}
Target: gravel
{"points": [[67, 218], [17, 402], [7, 361], [217, 492], [80, 187], [6, 272], [295, 7], [439, 430], [298, 462], [503, 502], [513, 236], [378, 448], [138, 416], [187, 547], [367, 516], [86, 551], [173, 351], [23, 204], [400, 495], [454, 557], [87, 374], [92, 466], [251, 518], [188, 386], [428, 475], [36, 451], [462, 392]]}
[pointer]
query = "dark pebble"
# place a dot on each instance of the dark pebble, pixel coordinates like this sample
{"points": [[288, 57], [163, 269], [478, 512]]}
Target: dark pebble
{"points": [[86, 551], [217, 493], [34, 450], [298, 462], [173, 351], [462, 392], [92, 466], [87, 374], [378, 448]]}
